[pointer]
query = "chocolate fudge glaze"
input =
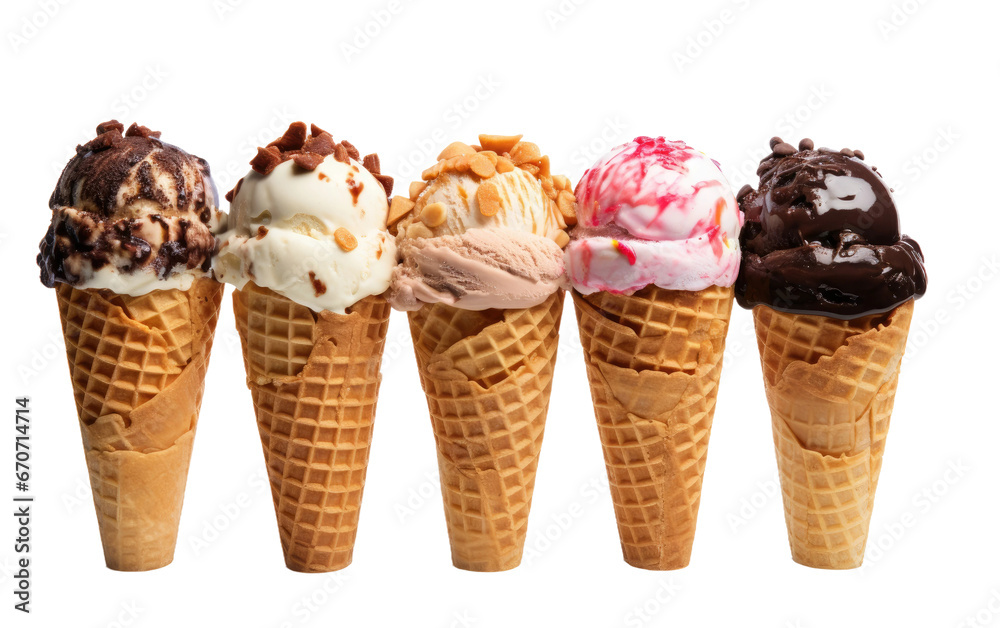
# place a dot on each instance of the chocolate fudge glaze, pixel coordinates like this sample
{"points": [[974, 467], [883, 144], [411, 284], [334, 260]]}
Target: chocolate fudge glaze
{"points": [[821, 236]]}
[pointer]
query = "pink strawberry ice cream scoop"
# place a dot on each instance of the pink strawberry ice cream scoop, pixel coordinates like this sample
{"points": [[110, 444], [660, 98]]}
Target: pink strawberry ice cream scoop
{"points": [[654, 211]]}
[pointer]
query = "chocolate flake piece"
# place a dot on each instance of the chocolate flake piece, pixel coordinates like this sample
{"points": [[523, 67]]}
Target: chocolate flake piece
{"points": [[340, 154], [386, 182], [101, 142], [307, 161], [316, 131], [321, 144], [353, 152], [371, 164], [293, 139], [110, 125], [266, 159], [137, 130]]}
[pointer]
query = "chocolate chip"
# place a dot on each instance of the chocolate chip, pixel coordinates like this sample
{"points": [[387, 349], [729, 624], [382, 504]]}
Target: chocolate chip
{"points": [[307, 161], [746, 189], [371, 164], [784, 149], [775, 141], [137, 130], [386, 182], [859, 155], [353, 152], [110, 125], [806, 144], [266, 159], [293, 139], [847, 152]]}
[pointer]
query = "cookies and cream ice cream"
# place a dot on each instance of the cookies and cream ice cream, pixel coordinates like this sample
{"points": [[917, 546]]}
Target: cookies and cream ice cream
{"points": [[309, 222], [654, 212], [822, 237], [483, 229], [131, 214]]}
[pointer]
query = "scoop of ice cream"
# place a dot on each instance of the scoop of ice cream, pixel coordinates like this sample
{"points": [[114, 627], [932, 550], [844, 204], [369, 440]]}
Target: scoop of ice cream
{"points": [[309, 222], [484, 229], [131, 214], [654, 211], [822, 236]]}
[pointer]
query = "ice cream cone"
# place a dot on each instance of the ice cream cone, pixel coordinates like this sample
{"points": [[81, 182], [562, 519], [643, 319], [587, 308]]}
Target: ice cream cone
{"points": [[314, 378], [138, 366], [830, 384], [487, 376], [653, 360]]}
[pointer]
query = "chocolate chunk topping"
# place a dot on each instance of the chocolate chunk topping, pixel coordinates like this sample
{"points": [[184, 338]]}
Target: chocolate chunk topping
{"points": [[308, 152], [137, 130]]}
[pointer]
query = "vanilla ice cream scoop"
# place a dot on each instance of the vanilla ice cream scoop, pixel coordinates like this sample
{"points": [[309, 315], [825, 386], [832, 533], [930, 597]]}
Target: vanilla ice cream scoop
{"points": [[310, 223], [484, 229]]}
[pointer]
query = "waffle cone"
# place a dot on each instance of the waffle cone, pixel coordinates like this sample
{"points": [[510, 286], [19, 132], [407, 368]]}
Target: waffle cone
{"points": [[653, 361], [830, 384], [314, 378], [487, 376], [138, 369]]}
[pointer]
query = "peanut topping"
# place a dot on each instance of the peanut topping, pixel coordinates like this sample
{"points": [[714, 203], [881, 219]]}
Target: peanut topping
{"points": [[525, 152], [488, 196], [345, 239], [499, 143], [416, 188], [400, 207], [566, 203], [418, 230], [482, 166], [433, 214], [456, 149]]}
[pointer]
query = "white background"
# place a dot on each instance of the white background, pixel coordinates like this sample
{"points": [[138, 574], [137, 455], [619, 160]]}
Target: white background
{"points": [[913, 85]]}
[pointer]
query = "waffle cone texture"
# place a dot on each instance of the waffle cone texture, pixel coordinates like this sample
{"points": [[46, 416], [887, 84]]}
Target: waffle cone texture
{"points": [[830, 385], [138, 370], [654, 359], [487, 377], [314, 378]]}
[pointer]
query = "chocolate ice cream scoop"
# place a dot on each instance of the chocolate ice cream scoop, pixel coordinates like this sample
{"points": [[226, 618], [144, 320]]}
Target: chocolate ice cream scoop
{"points": [[130, 213], [822, 236]]}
